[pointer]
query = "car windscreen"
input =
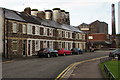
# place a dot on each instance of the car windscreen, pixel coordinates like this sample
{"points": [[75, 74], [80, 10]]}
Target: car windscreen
{"points": [[76, 48], [51, 49]]}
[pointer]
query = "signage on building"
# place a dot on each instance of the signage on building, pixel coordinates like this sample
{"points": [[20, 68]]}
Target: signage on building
{"points": [[90, 37], [85, 29]]}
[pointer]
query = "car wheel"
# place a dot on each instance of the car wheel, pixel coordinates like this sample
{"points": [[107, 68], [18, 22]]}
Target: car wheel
{"points": [[48, 55], [56, 55], [78, 53], [39, 56], [64, 54]]}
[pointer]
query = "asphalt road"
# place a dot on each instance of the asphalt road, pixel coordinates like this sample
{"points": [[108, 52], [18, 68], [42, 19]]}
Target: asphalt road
{"points": [[44, 67]]}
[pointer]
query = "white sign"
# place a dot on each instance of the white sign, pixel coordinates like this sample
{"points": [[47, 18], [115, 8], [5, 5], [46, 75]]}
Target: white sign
{"points": [[90, 37], [85, 29]]}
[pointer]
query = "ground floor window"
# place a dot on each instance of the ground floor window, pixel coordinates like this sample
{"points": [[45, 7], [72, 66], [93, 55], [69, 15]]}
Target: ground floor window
{"points": [[37, 45], [14, 45]]}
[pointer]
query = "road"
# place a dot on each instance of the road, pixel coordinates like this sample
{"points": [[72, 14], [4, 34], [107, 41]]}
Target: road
{"points": [[44, 67]]}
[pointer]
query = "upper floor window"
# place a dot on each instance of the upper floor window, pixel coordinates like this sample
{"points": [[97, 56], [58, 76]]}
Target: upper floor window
{"points": [[24, 29], [45, 31], [51, 32], [29, 29], [69, 35], [15, 27], [37, 30], [41, 30], [80, 36], [63, 34], [66, 34]]}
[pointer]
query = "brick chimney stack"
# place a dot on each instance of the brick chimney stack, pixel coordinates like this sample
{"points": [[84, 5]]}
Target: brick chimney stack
{"points": [[27, 10]]}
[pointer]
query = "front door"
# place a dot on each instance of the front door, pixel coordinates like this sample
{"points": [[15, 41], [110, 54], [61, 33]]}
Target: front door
{"points": [[24, 47], [29, 48]]}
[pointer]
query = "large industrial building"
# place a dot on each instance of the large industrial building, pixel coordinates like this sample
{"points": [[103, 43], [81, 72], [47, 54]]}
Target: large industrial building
{"points": [[97, 34], [95, 27], [24, 33]]}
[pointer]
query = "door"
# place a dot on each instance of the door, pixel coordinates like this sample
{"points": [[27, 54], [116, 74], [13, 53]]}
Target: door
{"points": [[24, 47], [29, 48]]}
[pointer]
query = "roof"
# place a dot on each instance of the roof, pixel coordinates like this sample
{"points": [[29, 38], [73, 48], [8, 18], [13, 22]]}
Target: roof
{"points": [[13, 15], [101, 42], [21, 16]]}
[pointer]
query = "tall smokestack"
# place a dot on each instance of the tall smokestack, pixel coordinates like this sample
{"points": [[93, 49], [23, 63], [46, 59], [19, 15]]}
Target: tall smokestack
{"points": [[113, 37], [113, 21]]}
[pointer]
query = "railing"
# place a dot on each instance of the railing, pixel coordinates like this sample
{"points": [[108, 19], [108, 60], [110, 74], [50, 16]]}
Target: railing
{"points": [[102, 60], [108, 73]]}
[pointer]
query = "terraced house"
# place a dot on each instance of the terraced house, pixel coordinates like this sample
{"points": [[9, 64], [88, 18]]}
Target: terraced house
{"points": [[24, 33]]}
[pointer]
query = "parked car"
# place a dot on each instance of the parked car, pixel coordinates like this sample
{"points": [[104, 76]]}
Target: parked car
{"points": [[48, 52], [63, 51], [76, 51], [114, 53]]}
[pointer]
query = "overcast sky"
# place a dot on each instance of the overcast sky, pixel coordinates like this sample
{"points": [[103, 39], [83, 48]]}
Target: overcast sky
{"points": [[81, 11]]}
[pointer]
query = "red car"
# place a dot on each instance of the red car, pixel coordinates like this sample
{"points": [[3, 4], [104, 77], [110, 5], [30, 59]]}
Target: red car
{"points": [[64, 51]]}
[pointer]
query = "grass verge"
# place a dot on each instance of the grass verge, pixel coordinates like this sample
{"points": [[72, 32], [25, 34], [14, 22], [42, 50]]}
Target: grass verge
{"points": [[113, 66]]}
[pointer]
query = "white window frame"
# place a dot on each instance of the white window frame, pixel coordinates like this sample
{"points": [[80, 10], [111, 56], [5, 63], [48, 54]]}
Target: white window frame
{"points": [[37, 30], [45, 31], [15, 27], [24, 29], [29, 29], [37, 45], [14, 41]]}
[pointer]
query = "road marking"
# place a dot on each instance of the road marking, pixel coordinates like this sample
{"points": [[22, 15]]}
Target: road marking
{"points": [[7, 61], [65, 71]]}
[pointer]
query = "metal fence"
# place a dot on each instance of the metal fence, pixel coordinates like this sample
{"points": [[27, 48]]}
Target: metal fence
{"points": [[108, 73]]}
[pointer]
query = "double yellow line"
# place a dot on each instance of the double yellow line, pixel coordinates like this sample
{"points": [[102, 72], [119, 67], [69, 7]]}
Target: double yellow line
{"points": [[7, 61], [64, 72]]}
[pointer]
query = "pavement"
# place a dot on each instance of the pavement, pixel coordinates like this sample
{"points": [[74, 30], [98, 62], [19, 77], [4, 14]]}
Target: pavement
{"points": [[88, 69]]}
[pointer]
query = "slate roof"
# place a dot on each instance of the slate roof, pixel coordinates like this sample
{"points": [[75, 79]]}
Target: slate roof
{"points": [[21, 16], [13, 15]]}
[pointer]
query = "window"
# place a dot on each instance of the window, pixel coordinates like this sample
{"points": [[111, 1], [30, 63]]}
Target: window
{"points": [[29, 29], [50, 32], [37, 30], [41, 31], [15, 28], [63, 34], [45, 31], [80, 36], [33, 29], [37, 45], [14, 45], [66, 34], [24, 29]]}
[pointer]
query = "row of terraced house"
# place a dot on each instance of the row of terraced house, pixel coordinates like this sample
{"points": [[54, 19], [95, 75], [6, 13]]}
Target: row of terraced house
{"points": [[24, 33]]}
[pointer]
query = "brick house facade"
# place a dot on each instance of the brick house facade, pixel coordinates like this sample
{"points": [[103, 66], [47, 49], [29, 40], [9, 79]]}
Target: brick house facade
{"points": [[24, 34]]}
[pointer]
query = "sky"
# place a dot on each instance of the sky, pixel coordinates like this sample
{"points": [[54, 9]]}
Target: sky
{"points": [[86, 11]]}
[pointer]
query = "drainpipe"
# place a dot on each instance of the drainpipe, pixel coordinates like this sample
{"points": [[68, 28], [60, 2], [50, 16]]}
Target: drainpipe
{"points": [[4, 33]]}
